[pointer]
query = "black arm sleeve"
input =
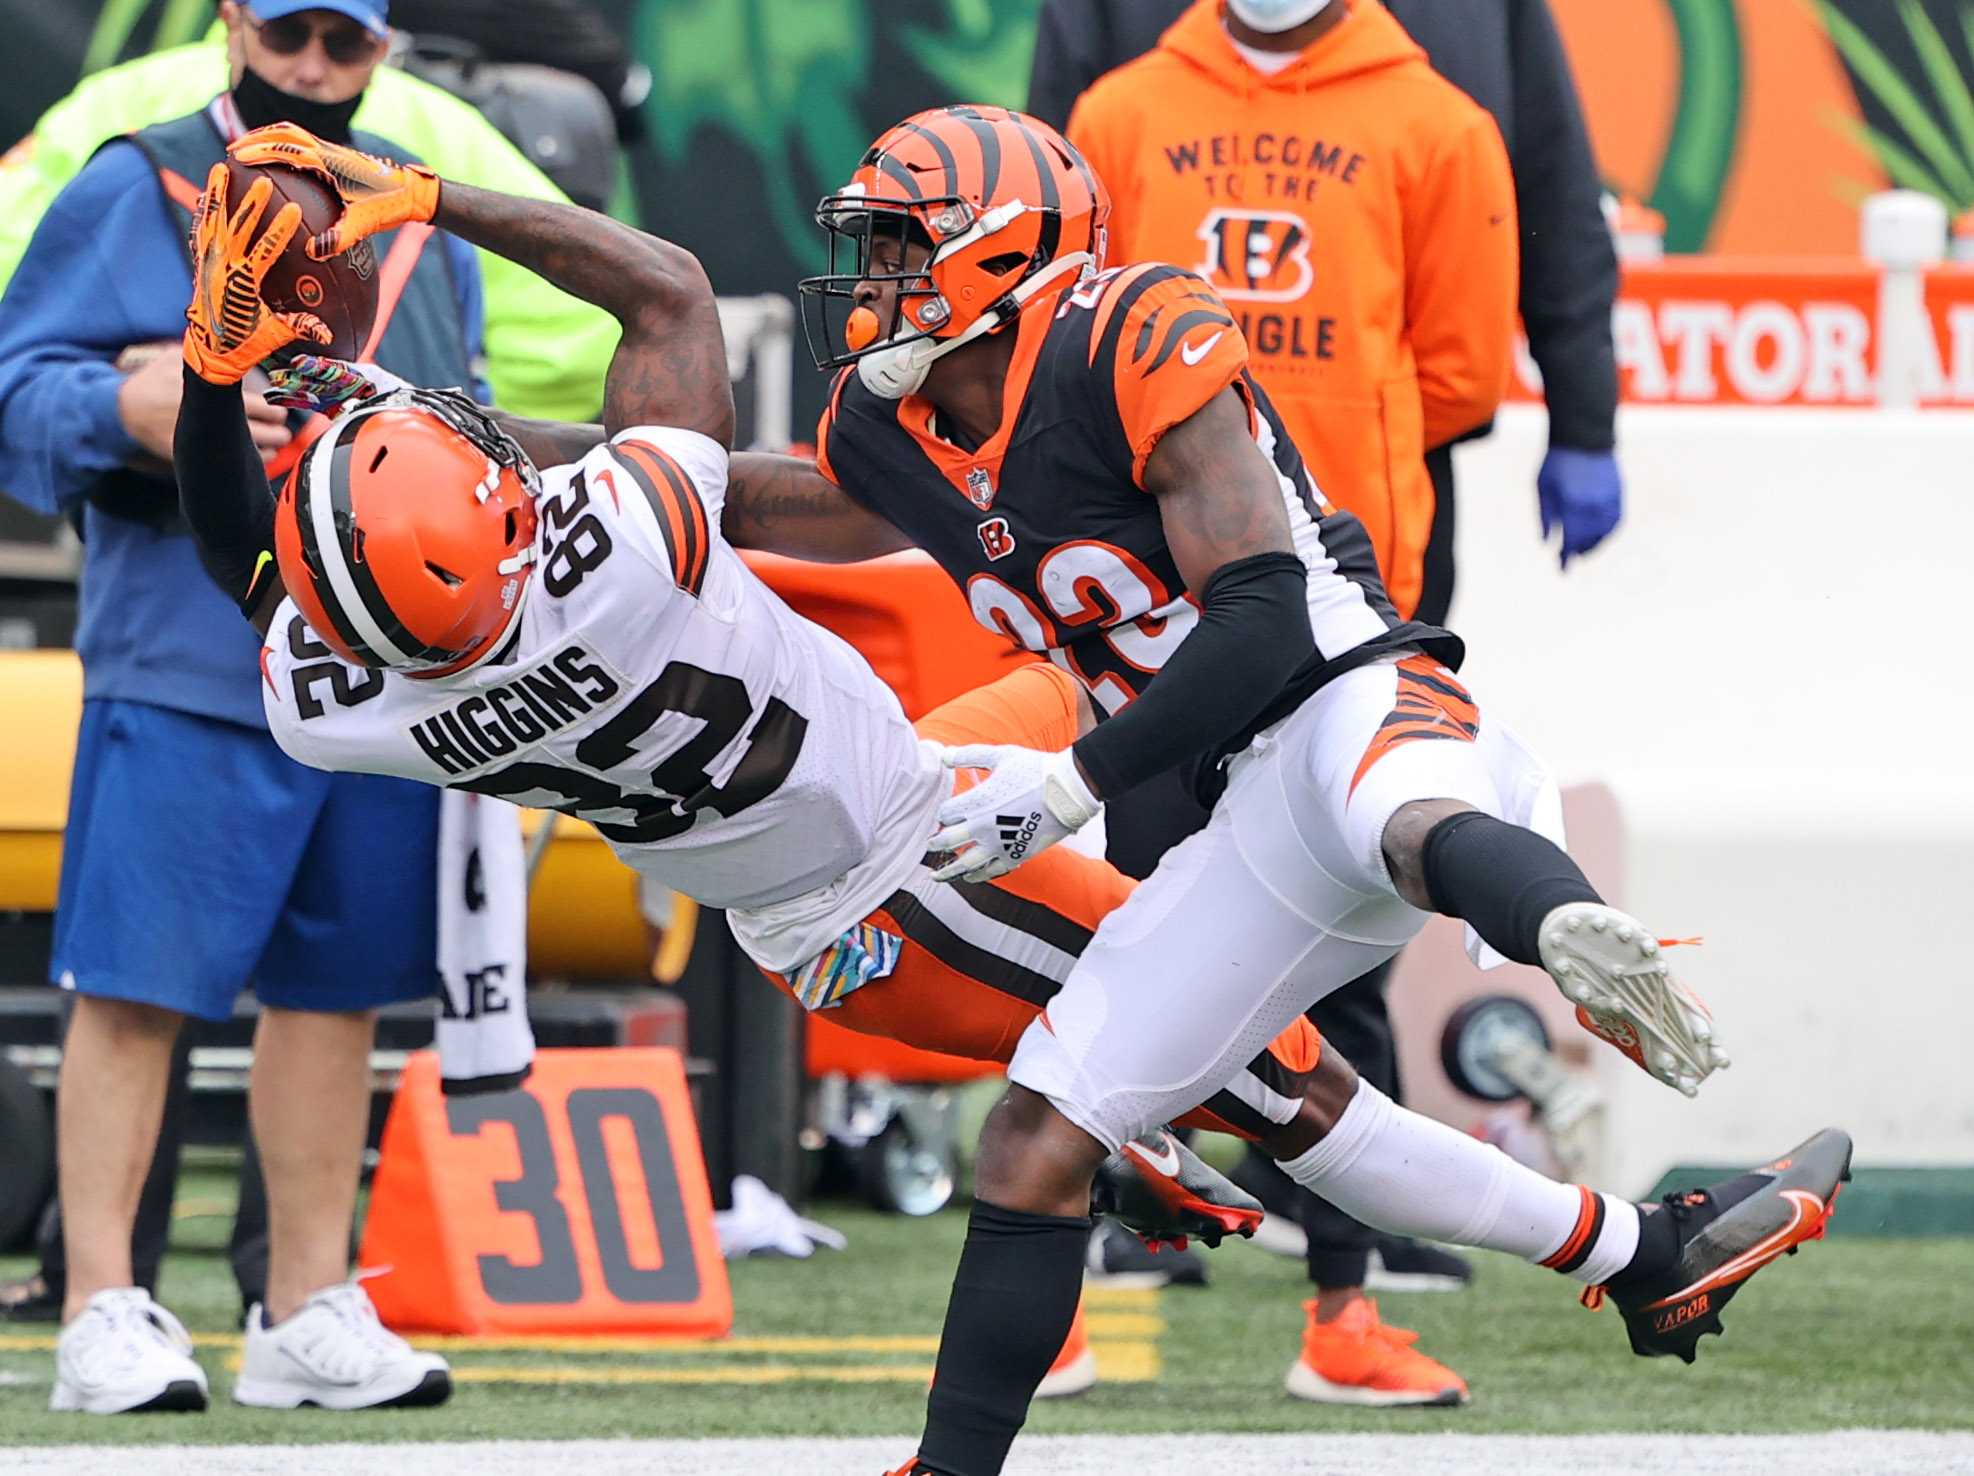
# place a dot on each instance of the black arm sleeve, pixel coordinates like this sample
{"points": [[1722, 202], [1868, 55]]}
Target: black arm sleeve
{"points": [[1569, 269], [222, 489], [1253, 634]]}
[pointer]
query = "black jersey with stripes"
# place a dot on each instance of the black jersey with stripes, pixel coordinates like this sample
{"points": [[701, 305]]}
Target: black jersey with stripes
{"points": [[725, 747], [1047, 526]]}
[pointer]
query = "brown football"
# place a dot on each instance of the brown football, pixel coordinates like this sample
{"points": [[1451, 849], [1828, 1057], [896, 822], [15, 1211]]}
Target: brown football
{"points": [[341, 291]]}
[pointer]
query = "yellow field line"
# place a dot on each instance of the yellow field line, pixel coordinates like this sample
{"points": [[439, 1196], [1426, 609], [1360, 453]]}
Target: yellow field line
{"points": [[1123, 1324], [771, 1373], [1126, 1363], [1120, 1298], [927, 1343], [1123, 1327], [792, 1346]]}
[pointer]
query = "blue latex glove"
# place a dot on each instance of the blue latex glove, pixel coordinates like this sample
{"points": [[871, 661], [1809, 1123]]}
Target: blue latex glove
{"points": [[1582, 493]]}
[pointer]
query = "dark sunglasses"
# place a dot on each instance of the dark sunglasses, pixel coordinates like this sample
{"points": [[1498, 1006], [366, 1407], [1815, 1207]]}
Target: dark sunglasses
{"points": [[346, 44]]}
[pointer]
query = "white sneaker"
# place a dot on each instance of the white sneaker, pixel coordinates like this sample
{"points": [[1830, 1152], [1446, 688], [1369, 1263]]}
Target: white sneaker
{"points": [[335, 1354], [124, 1354]]}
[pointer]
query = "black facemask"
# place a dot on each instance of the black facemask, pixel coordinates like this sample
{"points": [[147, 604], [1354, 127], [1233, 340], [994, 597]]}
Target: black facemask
{"points": [[260, 102]]}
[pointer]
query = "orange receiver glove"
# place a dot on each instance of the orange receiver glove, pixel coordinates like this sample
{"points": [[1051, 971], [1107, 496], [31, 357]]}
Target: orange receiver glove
{"points": [[231, 329], [378, 195]]}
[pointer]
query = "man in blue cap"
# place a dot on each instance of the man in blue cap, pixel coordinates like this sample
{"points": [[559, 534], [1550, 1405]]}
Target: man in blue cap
{"points": [[197, 857]]}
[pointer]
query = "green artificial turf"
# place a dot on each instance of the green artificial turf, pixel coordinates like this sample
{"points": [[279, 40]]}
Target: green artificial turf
{"points": [[1849, 1333]]}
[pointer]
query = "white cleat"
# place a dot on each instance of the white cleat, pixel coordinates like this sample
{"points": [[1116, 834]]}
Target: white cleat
{"points": [[335, 1354], [124, 1354], [1615, 973]]}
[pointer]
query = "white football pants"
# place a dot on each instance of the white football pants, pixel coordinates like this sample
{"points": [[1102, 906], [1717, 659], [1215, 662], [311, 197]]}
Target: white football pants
{"points": [[1283, 897]]}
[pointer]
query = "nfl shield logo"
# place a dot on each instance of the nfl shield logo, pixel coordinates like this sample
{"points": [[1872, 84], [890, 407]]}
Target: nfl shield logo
{"points": [[980, 487]]}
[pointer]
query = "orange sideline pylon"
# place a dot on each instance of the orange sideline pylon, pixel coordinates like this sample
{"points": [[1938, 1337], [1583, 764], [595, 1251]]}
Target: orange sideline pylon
{"points": [[578, 1204]]}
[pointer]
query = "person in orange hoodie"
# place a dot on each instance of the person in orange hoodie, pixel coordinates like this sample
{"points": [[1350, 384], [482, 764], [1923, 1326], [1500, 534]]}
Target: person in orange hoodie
{"points": [[1357, 212]]}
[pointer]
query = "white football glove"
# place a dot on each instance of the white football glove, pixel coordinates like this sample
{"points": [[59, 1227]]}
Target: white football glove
{"points": [[1028, 801]]}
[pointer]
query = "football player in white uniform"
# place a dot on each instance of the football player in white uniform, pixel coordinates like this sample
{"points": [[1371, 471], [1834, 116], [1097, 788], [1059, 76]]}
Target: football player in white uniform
{"points": [[435, 607]]}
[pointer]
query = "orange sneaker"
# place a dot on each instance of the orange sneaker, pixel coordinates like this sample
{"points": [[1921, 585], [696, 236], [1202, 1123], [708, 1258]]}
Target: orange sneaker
{"points": [[1356, 1359], [1075, 1368]]}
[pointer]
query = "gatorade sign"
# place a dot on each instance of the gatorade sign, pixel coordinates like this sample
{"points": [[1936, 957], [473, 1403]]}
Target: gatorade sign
{"points": [[1701, 331], [578, 1204]]}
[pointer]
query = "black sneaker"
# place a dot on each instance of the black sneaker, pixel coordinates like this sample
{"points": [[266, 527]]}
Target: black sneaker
{"points": [[1401, 1264], [1118, 1258], [1712, 1240], [1167, 1193], [31, 1299]]}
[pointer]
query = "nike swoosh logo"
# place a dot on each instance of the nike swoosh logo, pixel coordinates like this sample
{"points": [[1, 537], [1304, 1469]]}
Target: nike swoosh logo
{"points": [[1495, 220], [1166, 1160], [1193, 355], [1805, 1211]]}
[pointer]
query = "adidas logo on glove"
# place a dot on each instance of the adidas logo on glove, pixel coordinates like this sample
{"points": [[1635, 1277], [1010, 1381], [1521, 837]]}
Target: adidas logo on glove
{"points": [[1017, 833]]}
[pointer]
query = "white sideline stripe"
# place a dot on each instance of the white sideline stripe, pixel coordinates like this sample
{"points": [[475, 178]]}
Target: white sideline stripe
{"points": [[1839, 1453]]}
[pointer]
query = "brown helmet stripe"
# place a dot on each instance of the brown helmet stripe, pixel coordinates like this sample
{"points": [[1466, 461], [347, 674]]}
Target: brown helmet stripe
{"points": [[387, 620], [313, 550]]}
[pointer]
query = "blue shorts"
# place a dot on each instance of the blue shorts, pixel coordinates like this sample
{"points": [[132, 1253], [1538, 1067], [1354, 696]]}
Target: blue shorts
{"points": [[200, 859]]}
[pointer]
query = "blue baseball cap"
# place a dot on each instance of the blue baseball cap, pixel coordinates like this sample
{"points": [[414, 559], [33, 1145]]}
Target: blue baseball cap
{"points": [[372, 15]]}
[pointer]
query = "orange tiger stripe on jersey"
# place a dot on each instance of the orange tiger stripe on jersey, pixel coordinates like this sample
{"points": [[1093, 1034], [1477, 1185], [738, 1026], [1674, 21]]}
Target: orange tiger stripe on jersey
{"points": [[843, 377], [1114, 293], [681, 515], [1430, 704], [1178, 347]]}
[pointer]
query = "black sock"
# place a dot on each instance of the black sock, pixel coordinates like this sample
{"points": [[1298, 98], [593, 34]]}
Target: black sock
{"points": [[1500, 879], [1014, 1297], [1658, 1247]]}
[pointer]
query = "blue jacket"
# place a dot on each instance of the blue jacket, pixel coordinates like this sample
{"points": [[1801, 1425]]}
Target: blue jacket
{"points": [[107, 269]]}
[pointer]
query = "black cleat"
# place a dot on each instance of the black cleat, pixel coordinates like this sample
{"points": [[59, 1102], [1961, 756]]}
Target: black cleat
{"points": [[1165, 1192], [1721, 1236]]}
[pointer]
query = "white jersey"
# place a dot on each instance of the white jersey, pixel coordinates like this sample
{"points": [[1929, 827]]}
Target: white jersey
{"points": [[725, 747]]}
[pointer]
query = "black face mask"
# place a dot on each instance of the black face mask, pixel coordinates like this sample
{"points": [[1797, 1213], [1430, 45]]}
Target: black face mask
{"points": [[260, 102]]}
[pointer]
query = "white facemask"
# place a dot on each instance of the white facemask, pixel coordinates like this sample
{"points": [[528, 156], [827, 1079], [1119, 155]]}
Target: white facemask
{"points": [[1275, 16]]}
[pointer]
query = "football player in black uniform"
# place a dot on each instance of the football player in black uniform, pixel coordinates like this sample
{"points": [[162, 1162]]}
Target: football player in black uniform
{"points": [[1085, 453]]}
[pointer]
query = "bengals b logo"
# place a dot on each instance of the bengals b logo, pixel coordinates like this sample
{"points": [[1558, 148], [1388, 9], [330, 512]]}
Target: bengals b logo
{"points": [[995, 539], [1256, 255]]}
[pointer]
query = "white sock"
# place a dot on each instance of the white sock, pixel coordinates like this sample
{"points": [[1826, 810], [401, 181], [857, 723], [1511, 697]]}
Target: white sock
{"points": [[1408, 1175]]}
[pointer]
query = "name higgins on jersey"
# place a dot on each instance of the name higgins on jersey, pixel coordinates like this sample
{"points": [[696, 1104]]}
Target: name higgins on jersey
{"points": [[496, 721]]}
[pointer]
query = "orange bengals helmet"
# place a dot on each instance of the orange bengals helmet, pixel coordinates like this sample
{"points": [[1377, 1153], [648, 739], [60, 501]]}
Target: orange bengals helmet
{"points": [[1000, 203], [407, 532]]}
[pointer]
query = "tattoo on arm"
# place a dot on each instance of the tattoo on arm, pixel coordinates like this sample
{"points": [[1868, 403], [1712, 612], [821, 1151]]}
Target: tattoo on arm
{"points": [[551, 442], [1217, 494], [782, 504], [671, 365]]}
